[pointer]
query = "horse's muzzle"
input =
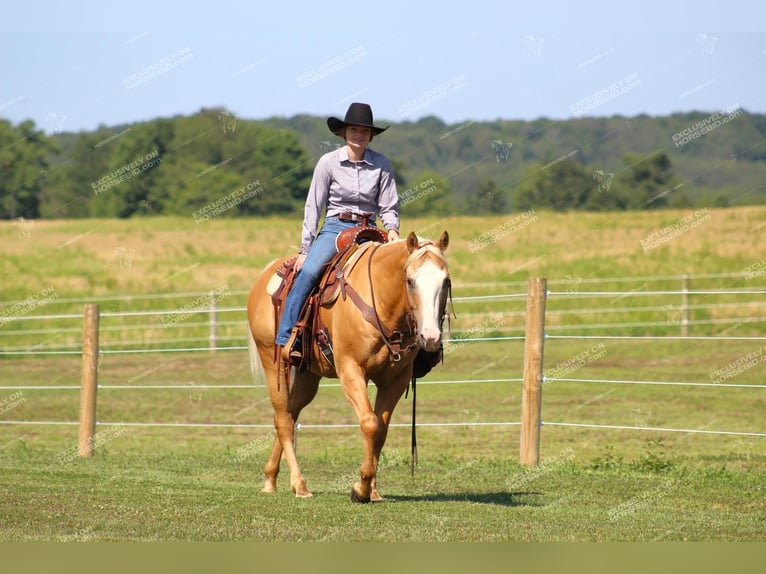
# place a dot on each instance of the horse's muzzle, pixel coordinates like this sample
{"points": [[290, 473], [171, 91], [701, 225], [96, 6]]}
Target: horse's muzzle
{"points": [[430, 340]]}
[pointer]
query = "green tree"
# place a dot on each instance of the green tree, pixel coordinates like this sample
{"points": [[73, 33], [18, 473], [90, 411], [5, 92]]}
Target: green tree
{"points": [[488, 198], [646, 182], [24, 153], [559, 185], [129, 188], [282, 168], [72, 175], [233, 167]]}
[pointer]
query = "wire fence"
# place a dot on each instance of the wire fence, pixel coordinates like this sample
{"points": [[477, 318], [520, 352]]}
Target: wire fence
{"points": [[195, 325], [701, 305], [749, 361]]}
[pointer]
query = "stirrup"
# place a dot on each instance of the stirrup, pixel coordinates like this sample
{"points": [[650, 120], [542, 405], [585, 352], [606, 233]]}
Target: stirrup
{"points": [[291, 352]]}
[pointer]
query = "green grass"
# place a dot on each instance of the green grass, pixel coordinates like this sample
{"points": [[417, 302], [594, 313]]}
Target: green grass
{"points": [[593, 484], [164, 483], [193, 492]]}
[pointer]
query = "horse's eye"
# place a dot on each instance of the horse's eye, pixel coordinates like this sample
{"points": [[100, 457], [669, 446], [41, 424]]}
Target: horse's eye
{"points": [[410, 282]]}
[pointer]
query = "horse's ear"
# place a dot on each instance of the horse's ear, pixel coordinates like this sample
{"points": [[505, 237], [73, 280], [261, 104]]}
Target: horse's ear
{"points": [[412, 242], [444, 240]]}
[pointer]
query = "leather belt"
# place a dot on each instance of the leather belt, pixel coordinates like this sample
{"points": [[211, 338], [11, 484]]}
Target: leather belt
{"points": [[357, 217]]}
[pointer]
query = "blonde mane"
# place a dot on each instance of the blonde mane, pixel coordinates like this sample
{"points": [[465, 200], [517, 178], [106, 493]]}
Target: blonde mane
{"points": [[428, 246]]}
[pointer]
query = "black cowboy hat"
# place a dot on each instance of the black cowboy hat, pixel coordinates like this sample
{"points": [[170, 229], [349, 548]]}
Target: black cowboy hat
{"points": [[357, 115]]}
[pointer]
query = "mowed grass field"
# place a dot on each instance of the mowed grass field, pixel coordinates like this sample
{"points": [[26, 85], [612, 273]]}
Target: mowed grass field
{"points": [[152, 480]]}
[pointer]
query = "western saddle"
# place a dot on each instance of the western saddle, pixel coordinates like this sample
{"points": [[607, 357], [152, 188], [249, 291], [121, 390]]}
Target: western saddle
{"points": [[350, 245]]}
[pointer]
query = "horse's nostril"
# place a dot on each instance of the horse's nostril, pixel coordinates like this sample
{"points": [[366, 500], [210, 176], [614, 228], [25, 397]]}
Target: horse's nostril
{"points": [[430, 343]]}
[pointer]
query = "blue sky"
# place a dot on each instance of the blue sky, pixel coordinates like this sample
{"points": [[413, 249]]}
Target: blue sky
{"points": [[73, 66]]}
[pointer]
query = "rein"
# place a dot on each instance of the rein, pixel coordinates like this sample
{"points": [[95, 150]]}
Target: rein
{"points": [[396, 354], [392, 339]]}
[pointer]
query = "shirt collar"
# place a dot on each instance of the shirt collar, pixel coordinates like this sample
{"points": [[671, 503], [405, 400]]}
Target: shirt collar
{"points": [[343, 155]]}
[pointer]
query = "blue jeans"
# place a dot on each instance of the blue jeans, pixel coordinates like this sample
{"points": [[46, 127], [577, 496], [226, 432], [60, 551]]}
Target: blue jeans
{"points": [[321, 251]]}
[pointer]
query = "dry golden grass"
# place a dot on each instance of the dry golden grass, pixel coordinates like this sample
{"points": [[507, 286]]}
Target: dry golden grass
{"points": [[100, 257], [105, 260]]}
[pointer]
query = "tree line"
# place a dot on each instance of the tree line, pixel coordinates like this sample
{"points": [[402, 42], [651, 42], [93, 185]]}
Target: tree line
{"points": [[214, 163]]}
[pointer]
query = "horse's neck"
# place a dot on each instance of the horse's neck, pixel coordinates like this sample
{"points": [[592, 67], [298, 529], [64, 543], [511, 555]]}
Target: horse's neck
{"points": [[388, 280]]}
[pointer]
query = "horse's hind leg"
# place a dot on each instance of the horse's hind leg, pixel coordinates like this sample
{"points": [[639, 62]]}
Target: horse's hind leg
{"points": [[272, 467], [287, 407]]}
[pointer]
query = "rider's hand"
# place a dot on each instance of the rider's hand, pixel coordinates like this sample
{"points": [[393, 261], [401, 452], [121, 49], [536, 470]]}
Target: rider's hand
{"points": [[393, 235], [299, 261]]}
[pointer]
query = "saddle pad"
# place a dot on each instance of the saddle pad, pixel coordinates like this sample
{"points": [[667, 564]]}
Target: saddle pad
{"points": [[273, 284]]}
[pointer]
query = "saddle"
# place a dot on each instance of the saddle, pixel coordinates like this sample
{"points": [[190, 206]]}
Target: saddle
{"points": [[350, 244]]}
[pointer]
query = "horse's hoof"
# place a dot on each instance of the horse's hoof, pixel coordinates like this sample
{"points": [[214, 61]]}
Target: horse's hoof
{"points": [[375, 497], [302, 492], [269, 487], [356, 498]]}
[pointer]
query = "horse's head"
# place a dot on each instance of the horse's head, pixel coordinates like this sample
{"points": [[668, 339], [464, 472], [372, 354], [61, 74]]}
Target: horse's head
{"points": [[428, 287]]}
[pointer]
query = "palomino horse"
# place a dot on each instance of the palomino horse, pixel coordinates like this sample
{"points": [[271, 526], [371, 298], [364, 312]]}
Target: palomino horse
{"points": [[407, 283]]}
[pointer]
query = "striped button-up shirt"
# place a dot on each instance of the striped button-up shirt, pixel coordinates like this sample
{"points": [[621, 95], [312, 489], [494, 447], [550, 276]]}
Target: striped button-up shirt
{"points": [[340, 185]]}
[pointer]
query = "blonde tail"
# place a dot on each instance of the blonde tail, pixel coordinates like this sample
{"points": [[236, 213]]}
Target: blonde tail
{"points": [[256, 367]]}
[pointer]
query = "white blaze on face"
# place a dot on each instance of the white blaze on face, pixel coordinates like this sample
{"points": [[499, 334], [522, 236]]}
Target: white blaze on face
{"points": [[426, 283]]}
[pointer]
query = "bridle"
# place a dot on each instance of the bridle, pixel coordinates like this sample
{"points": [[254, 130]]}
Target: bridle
{"points": [[446, 294], [393, 339]]}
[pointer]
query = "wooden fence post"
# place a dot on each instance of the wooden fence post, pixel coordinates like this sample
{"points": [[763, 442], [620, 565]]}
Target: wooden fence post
{"points": [[685, 306], [89, 382], [213, 321], [531, 397]]}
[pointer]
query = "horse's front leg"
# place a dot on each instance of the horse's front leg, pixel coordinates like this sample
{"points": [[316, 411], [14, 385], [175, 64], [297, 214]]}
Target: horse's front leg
{"points": [[354, 386], [388, 396]]}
